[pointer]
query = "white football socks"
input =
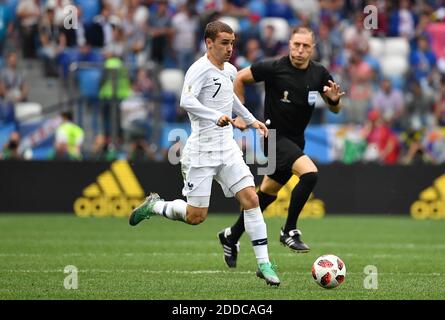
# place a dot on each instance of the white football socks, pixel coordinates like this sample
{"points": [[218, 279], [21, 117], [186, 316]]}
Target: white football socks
{"points": [[257, 231], [174, 210]]}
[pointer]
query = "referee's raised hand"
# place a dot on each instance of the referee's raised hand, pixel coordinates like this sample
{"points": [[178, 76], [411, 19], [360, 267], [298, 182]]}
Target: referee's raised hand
{"points": [[333, 91]]}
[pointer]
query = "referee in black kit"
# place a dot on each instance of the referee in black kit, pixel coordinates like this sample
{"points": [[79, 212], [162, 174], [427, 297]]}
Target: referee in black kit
{"points": [[291, 85]]}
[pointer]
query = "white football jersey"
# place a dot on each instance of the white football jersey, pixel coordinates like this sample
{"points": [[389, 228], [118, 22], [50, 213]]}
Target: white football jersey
{"points": [[206, 96]]}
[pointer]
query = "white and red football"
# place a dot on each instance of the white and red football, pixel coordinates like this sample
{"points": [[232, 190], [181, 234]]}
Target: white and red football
{"points": [[329, 271]]}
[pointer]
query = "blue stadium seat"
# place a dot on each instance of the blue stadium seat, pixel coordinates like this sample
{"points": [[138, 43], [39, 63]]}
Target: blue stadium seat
{"points": [[90, 9], [257, 7], [67, 57], [12, 5], [279, 10], [168, 106], [89, 81]]}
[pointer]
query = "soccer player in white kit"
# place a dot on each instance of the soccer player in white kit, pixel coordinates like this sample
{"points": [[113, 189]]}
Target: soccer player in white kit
{"points": [[211, 152]]}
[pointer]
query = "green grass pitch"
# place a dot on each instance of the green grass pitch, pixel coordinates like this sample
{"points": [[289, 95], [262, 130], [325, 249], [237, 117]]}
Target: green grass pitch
{"points": [[168, 260]]}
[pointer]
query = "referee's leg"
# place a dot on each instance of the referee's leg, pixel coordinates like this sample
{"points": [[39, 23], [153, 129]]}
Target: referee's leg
{"points": [[307, 172]]}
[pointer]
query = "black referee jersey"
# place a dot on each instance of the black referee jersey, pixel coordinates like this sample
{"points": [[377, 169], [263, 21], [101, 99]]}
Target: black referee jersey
{"points": [[290, 94]]}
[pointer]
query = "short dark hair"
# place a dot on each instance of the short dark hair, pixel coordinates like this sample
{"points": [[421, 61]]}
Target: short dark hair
{"points": [[303, 30], [213, 28], [68, 115]]}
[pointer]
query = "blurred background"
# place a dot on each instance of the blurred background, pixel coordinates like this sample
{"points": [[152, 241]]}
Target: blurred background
{"points": [[118, 74], [87, 81]]}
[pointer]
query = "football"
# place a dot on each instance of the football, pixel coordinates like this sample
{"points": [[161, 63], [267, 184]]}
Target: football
{"points": [[329, 271]]}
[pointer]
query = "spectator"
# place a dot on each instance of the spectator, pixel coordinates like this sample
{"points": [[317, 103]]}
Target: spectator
{"points": [[160, 32], [439, 107], [434, 146], [412, 146], [253, 92], [116, 87], [390, 103], [402, 21], [355, 36], [143, 83], [269, 42], [422, 60], [6, 25], [103, 149], [52, 41], [382, 144], [441, 63], [135, 117], [135, 26], [328, 48], [11, 148], [69, 139], [117, 46], [360, 89], [99, 33], [185, 25], [28, 12], [418, 109], [13, 80], [7, 115]]}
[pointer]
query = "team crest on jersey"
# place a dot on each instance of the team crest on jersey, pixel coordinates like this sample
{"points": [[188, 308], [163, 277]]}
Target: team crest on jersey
{"points": [[285, 99]]}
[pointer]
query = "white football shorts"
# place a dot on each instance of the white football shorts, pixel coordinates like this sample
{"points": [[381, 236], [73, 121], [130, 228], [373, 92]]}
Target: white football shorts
{"points": [[233, 175]]}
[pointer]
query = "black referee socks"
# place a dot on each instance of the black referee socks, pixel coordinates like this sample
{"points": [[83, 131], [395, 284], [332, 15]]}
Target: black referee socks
{"points": [[300, 195], [238, 228]]}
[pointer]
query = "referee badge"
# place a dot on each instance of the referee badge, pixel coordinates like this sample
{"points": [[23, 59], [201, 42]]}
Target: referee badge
{"points": [[311, 98], [285, 99]]}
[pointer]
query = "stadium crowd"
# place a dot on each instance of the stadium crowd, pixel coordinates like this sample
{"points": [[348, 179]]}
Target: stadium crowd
{"points": [[393, 74]]}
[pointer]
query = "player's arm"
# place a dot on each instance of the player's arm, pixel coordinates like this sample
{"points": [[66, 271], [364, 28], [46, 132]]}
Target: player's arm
{"points": [[247, 117], [332, 95], [191, 104], [240, 110], [192, 87]]}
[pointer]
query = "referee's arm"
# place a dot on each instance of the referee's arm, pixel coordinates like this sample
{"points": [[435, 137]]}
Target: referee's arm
{"points": [[243, 77]]}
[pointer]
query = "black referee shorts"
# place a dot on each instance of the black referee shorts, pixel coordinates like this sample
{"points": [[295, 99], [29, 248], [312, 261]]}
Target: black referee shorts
{"points": [[287, 151]]}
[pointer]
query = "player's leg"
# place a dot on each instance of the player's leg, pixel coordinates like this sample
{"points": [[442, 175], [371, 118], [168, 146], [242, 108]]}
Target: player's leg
{"points": [[229, 237], [237, 180], [174, 210], [257, 231], [197, 189], [307, 172]]}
